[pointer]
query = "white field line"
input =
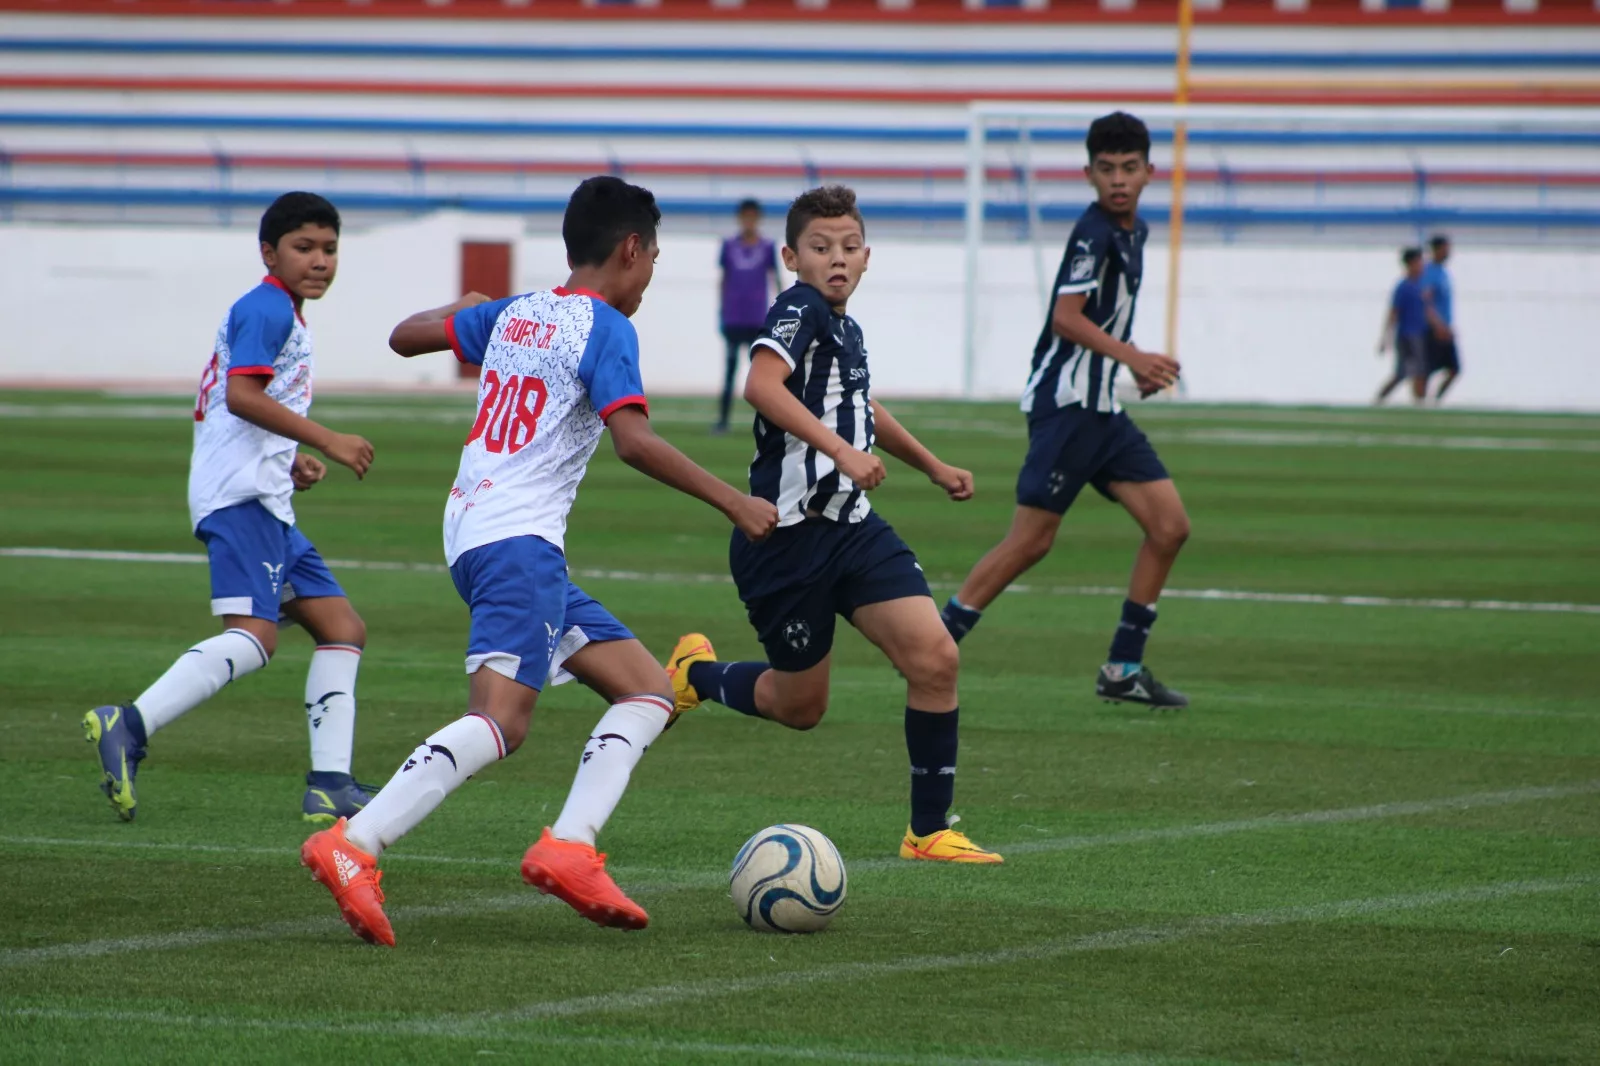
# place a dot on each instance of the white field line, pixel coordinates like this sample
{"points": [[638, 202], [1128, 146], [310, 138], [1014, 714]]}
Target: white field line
{"points": [[1439, 439], [647, 577], [700, 1049], [493, 1024], [711, 879]]}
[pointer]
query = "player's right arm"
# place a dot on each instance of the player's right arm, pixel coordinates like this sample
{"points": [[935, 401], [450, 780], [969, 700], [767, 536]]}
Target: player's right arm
{"points": [[428, 331]]}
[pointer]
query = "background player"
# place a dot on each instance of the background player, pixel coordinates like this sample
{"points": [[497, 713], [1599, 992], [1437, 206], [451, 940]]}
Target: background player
{"points": [[749, 265], [559, 367], [832, 554], [1078, 433], [1406, 328], [1441, 338], [248, 419]]}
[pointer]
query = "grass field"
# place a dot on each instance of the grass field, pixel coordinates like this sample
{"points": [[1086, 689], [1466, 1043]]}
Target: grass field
{"points": [[1375, 839]]}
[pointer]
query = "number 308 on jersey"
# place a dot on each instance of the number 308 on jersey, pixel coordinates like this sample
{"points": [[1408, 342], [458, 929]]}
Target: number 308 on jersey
{"points": [[509, 414]]}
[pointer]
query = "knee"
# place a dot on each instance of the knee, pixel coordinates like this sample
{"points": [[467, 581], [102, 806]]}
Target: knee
{"points": [[349, 630], [1169, 533], [935, 667], [513, 732], [1031, 546], [264, 633], [803, 714]]}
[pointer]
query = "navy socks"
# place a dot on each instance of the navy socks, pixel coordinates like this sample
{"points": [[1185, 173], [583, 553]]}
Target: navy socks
{"points": [[931, 743], [1127, 646], [730, 684], [959, 619]]}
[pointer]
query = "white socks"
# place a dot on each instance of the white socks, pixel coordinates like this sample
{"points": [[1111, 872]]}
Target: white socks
{"points": [[331, 705], [438, 766], [618, 743], [198, 675]]}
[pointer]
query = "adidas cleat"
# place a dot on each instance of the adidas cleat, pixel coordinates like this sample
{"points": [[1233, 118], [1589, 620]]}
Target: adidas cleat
{"points": [[354, 879], [1141, 687], [120, 754], [945, 845], [691, 648], [331, 796], [576, 874]]}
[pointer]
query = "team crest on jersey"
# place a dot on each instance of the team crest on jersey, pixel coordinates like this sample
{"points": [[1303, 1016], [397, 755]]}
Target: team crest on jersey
{"points": [[798, 634], [1082, 268], [785, 330]]}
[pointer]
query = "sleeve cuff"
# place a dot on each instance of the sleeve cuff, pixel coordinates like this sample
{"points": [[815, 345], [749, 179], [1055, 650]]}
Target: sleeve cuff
{"points": [[263, 371], [455, 342], [1082, 286], [775, 347], [627, 401]]}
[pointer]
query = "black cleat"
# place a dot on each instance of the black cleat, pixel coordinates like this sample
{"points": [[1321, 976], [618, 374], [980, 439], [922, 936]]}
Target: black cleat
{"points": [[1139, 688]]}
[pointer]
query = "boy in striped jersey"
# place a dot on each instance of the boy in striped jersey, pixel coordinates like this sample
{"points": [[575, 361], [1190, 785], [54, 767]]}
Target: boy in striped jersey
{"points": [[1078, 433], [815, 428]]}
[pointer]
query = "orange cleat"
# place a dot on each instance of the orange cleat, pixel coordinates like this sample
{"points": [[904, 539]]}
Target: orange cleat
{"points": [[575, 874], [352, 876]]}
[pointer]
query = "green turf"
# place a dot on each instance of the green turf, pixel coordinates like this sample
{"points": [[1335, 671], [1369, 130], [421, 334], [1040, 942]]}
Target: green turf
{"points": [[1178, 889]]}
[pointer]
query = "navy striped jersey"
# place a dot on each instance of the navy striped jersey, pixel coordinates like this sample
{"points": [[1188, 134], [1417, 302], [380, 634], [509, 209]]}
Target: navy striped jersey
{"points": [[827, 360], [1107, 262]]}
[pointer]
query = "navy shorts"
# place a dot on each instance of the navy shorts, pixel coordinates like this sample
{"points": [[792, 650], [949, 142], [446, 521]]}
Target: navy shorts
{"points": [[796, 581], [527, 617], [1442, 355], [259, 562], [1072, 447]]}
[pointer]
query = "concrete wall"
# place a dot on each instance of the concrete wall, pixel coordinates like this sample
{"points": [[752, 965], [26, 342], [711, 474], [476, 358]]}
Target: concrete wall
{"points": [[95, 305]]}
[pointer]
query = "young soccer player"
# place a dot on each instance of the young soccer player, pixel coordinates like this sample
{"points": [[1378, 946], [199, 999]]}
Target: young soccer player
{"points": [[1441, 344], [1078, 433], [815, 428], [559, 367], [1406, 328], [248, 421]]}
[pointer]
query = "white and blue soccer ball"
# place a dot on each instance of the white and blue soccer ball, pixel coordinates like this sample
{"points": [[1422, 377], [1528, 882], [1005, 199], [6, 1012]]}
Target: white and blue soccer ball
{"points": [[787, 879]]}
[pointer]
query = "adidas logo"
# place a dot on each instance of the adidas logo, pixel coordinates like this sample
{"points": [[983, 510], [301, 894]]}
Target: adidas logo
{"points": [[347, 867]]}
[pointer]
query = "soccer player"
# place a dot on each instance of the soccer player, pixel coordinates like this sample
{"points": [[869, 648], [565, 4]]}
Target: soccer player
{"points": [[1441, 337], [815, 429], [1078, 433], [1406, 327], [249, 419], [749, 265], [559, 367]]}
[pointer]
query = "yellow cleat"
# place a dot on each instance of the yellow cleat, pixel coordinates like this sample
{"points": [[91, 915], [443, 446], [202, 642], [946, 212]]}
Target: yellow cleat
{"points": [[944, 845], [691, 648]]}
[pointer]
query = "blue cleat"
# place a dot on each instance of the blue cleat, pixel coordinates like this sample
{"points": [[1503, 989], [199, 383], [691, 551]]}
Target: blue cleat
{"points": [[331, 796], [112, 730]]}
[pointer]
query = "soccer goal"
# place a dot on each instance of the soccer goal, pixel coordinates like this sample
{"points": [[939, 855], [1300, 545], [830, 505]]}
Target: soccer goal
{"points": [[1300, 199]]}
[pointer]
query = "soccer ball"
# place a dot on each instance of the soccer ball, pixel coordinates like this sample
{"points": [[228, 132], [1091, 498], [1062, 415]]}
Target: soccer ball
{"points": [[787, 879]]}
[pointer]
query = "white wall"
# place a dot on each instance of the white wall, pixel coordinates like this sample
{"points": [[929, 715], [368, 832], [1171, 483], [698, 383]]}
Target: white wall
{"points": [[102, 306]]}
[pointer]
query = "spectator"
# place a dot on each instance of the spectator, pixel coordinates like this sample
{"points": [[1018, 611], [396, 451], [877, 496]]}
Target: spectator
{"points": [[1441, 346], [749, 264]]}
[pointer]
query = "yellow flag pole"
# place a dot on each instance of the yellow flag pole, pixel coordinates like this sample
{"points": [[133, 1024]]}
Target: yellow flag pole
{"points": [[1180, 143]]}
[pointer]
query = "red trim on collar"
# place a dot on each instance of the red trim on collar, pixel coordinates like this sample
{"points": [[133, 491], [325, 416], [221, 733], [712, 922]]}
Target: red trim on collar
{"points": [[562, 290], [627, 401], [281, 287]]}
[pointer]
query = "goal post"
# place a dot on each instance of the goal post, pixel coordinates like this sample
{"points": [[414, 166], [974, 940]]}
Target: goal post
{"points": [[1284, 173]]}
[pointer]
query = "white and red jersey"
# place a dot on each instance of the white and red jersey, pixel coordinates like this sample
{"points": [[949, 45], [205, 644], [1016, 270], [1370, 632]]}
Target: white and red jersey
{"points": [[556, 364], [233, 461]]}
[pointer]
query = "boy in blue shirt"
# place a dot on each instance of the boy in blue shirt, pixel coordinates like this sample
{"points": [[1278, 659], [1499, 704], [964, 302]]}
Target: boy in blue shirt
{"points": [[1441, 343], [1406, 327]]}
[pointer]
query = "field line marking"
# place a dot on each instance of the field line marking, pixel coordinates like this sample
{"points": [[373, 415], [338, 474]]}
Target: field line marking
{"points": [[492, 1024], [184, 939], [1108, 940], [646, 577]]}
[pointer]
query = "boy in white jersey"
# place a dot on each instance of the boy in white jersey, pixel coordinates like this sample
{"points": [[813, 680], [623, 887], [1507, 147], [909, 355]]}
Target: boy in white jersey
{"points": [[248, 420], [559, 367]]}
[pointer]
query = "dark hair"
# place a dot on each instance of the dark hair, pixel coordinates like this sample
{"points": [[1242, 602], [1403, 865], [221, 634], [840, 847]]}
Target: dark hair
{"points": [[1438, 239], [1410, 255], [825, 201], [748, 204], [601, 214], [295, 209], [1117, 133]]}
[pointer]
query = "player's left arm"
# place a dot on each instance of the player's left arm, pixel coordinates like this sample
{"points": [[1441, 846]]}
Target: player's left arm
{"points": [[637, 444], [899, 442], [426, 331]]}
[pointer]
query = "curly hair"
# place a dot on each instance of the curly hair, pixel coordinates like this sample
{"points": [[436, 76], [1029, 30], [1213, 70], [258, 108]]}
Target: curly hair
{"points": [[825, 201]]}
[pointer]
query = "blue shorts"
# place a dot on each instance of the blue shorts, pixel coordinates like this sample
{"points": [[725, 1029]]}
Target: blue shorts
{"points": [[1071, 448], [796, 581], [527, 617], [259, 562]]}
